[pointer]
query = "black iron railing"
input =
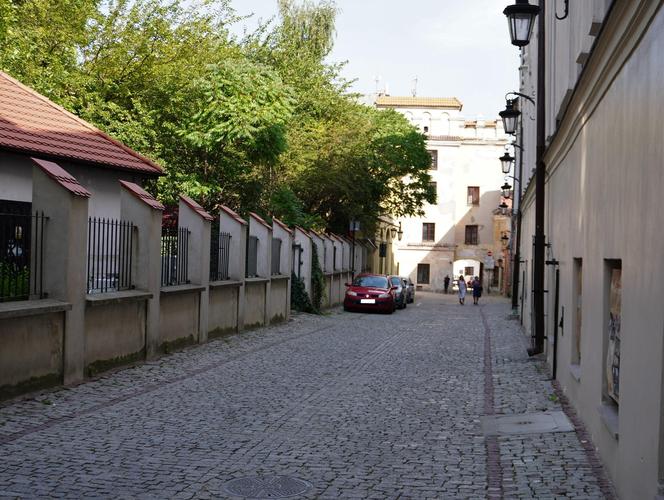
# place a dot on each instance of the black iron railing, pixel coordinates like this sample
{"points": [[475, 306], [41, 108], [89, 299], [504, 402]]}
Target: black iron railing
{"points": [[220, 254], [21, 256], [276, 256], [110, 255], [174, 256], [252, 257]]}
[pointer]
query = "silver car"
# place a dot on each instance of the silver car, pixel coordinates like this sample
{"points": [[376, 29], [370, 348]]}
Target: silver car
{"points": [[409, 286]]}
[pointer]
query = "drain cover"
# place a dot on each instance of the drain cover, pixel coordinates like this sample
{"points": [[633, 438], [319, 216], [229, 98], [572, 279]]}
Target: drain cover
{"points": [[527, 423], [267, 486]]}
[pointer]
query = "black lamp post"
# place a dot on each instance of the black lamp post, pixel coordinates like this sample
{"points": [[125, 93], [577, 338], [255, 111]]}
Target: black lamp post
{"points": [[507, 190], [506, 162], [510, 116], [520, 19], [400, 232]]}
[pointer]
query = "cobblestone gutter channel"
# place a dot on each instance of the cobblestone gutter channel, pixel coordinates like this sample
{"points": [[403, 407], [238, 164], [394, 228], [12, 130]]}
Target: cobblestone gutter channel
{"points": [[493, 465]]}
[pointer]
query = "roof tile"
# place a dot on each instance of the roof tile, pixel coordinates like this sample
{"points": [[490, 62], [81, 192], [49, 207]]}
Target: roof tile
{"points": [[31, 123], [62, 177], [142, 195], [388, 101], [196, 207]]}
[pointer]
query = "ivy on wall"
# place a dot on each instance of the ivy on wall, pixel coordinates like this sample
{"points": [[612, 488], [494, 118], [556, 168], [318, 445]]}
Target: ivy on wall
{"points": [[317, 281]]}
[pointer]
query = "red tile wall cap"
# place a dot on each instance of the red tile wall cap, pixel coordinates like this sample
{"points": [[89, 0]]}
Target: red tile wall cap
{"points": [[303, 231], [282, 225], [29, 122], [142, 195], [62, 177], [196, 207], [260, 220], [233, 215]]}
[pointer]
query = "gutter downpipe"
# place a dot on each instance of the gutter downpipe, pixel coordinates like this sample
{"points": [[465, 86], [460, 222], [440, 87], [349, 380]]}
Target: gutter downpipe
{"points": [[516, 266], [540, 174]]}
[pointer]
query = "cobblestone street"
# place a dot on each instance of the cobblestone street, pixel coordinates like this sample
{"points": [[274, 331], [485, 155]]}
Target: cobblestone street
{"points": [[357, 405]]}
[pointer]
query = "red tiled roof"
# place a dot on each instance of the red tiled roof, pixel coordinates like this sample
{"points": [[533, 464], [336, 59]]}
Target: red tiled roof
{"points": [[30, 123], [142, 195], [196, 207], [260, 220], [62, 177], [233, 214]]}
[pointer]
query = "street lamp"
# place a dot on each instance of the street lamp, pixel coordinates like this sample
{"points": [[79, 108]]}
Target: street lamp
{"points": [[510, 116], [520, 19], [506, 162], [400, 232], [507, 190]]}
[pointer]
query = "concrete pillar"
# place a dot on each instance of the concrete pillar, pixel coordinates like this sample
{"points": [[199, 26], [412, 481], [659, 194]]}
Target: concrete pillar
{"points": [[192, 216], [263, 231], [230, 222], [140, 207], [65, 202]]}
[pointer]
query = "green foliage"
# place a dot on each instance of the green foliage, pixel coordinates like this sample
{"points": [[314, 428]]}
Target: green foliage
{"points": [[300, 300], [260, 123], [317, 281], [14, 283]]}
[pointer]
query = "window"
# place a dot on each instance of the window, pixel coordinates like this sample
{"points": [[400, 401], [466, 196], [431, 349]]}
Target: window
{"points": [[613, 317], [434, 186], [473, 195], [428, 231], [434, 159], [423, 274], [471, 235], [371, 281], [469, 271], [576, 311]]}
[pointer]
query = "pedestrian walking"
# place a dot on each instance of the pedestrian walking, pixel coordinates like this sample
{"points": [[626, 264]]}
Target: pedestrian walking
{"points": [[462, 290], [477, 290], [446, 282]]}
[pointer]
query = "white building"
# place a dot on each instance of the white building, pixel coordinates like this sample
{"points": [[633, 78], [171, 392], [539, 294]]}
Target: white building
{"points": [[602, 211], [457, 234]]}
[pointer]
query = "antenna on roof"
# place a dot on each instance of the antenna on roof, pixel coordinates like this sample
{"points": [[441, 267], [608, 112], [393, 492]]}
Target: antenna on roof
{"points": [[414, 89], [377, 80]]}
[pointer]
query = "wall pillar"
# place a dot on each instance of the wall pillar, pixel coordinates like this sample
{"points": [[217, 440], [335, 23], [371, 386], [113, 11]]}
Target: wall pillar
{"points": [[65, 202], [192, 216], [140, 208]]}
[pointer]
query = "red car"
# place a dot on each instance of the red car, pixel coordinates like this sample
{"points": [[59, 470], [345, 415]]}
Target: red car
{"points": [[370, 292]]}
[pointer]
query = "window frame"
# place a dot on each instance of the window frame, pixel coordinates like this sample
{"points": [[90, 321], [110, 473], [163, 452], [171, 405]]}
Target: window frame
{"points": [[473, 196], [428, 229], [420, 272], [468, 235]]}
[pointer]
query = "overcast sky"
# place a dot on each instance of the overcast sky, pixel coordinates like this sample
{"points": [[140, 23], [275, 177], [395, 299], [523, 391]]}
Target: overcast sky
{"points": [[456, 48]]}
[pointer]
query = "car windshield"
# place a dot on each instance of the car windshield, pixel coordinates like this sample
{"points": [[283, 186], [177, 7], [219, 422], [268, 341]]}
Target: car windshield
{"points": [[371, 281], [396, 281]]}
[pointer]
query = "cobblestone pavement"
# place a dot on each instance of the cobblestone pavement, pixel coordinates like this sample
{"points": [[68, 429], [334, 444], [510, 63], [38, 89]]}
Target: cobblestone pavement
{"points": [[358, 405]]}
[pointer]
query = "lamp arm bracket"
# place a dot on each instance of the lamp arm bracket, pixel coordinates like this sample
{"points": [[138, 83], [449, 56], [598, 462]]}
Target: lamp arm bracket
{"points": [[521, 95]]}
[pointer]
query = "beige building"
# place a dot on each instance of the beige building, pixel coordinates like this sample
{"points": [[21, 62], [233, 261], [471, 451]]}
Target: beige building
{"points": [[604, 182], [458, 234]]}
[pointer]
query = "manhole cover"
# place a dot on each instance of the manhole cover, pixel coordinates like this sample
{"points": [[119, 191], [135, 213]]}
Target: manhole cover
{"points": [[267, 486], [527, 423]]}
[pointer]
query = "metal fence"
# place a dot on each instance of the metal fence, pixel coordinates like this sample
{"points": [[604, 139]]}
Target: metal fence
{"points": [[220, 253], [252, 257], [110, 255], [174, 256], [21, 255], [276, 256]]}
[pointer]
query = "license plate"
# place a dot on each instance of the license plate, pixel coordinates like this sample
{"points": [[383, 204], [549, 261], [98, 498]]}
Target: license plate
{"points": [[367, 301]]}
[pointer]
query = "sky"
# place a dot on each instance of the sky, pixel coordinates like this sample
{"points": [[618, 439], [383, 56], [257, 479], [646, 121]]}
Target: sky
{"points": [[455, 48]]}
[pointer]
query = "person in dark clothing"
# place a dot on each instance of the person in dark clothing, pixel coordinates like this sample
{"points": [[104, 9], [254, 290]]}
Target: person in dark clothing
{"points": [[446, 282], [477, 290]]}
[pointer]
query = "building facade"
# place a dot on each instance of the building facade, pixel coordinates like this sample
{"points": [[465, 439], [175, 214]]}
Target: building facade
{"points": [[459, 234], [603, 184]]}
